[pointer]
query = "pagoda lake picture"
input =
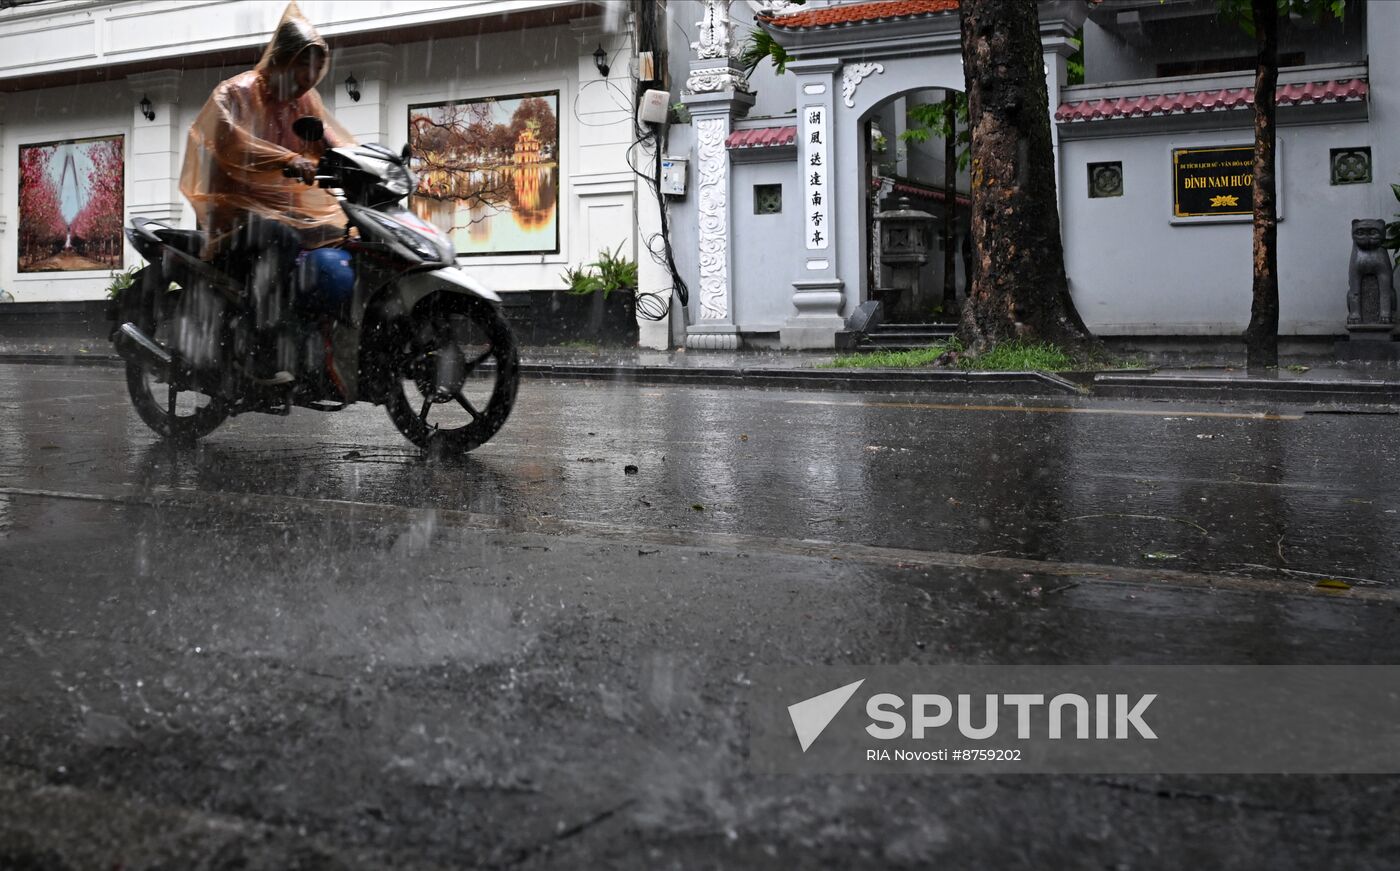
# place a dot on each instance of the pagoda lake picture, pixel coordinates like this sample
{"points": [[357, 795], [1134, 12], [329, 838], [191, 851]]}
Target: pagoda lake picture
{"points": [[488, 172]]}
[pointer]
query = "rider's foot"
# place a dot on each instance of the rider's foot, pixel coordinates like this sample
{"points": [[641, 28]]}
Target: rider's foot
{"points": [[276, 379]]}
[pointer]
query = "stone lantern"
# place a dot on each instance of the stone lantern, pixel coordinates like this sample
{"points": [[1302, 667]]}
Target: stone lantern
{"points": [[906, 235]]}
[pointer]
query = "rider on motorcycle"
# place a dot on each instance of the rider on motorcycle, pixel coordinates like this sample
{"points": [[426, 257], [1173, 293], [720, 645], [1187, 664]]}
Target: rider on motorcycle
{"points": [[259, 220]]}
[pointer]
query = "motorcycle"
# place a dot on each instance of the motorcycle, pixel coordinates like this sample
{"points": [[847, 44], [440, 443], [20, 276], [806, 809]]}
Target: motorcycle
{"points": [[384, 316]]}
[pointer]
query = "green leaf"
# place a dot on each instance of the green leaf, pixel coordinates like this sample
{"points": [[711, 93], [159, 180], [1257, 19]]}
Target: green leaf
{"points": [[761, 46]]}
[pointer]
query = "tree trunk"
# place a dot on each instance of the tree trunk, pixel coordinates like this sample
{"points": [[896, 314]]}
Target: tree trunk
{"points": [[1019, 287], [1261, 336], [950, 205]]}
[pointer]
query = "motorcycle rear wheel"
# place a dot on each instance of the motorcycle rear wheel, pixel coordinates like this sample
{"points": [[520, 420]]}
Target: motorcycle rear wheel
{"points": [[178, 415], [455, 374]]}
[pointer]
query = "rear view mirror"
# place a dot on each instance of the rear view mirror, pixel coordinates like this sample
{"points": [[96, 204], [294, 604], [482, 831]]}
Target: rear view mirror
{"points": [[310, 128]]}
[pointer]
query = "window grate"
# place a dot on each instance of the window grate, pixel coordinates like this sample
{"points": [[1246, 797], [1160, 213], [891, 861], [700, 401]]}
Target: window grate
{"points": [[1106, 179], [1351, 165], [767, 199]]}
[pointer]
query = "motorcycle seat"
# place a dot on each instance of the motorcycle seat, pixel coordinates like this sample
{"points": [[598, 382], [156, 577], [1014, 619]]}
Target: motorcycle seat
{"points": [[189, 241]]}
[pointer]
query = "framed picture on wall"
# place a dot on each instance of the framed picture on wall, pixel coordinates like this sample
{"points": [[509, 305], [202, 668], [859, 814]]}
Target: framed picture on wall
{"points": [[488, 172], [72, 197]]}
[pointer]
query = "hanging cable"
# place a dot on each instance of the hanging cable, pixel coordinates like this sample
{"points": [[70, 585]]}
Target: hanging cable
{"points": [[653, 305]]}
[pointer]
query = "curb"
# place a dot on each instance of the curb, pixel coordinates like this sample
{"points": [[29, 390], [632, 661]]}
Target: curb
{"points": [[1006, 383], [1262, 389], [1105, 385]]}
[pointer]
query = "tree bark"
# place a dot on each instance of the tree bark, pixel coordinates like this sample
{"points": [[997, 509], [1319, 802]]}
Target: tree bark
{"points": [[950, 205], [1261, 336], [1019, 287]]}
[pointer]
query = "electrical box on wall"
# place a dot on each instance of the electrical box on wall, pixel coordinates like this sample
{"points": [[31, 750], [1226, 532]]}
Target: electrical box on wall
{"points": [[673, 176], [654, 106]]}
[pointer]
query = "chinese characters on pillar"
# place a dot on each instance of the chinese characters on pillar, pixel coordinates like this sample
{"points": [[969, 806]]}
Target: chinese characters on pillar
{"points": [[816, 164]]}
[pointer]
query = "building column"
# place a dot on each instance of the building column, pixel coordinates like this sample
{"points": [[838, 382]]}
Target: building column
{"points": [[4, 217], [1382, 24], [818, 294], [716, 94], [153, 157], [367, 118], [1058, 24]]}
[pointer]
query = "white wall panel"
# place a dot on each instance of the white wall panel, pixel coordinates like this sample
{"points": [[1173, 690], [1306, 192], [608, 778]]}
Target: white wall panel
{"points": [[23, 50]]}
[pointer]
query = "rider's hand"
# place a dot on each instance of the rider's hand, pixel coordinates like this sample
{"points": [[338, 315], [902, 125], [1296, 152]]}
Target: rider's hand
{"points": [[304, 168]]}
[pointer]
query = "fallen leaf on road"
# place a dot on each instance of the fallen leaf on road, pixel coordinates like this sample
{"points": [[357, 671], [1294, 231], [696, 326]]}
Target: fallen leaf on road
{"points": [[1333, 584], [697, 507]]}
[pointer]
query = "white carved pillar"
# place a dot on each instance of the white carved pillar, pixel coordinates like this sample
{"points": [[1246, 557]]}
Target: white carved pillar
{"points": [[367, 118], [716, 94], [818, 296], [153, 155]]}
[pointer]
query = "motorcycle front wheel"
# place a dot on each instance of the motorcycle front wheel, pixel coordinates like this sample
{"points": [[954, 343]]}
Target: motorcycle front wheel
{"points": [[455, 375], [179, 415]]}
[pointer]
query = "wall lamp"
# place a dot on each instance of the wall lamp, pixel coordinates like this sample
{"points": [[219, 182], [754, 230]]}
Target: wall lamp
{"points": [[352, 87], [146, 109], [600, 60]]}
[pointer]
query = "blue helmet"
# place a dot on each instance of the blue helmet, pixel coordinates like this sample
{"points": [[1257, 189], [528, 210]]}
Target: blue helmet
{"points": [[326, 280]]}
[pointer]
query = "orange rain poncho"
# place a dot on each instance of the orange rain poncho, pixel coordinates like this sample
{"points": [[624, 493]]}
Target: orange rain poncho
{"points": [[243, 138]]}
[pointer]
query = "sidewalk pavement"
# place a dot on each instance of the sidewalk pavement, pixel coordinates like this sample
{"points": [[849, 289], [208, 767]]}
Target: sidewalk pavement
{"points": [[1326, 384]]}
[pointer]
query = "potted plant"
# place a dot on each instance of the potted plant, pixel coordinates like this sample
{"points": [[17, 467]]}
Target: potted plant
{"points": [[607, 291], [119, 304]]}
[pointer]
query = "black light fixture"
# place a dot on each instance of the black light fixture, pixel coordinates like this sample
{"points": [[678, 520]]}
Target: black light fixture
{"points": [[600, 60], [146, 109], [352, 87]]}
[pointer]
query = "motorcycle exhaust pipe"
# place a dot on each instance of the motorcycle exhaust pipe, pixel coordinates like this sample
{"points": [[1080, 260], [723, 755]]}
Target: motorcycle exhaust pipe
{"points": [[137, 347]]}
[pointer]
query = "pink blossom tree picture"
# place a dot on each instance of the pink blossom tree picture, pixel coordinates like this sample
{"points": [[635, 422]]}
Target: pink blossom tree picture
{"points": [[71, 205]]}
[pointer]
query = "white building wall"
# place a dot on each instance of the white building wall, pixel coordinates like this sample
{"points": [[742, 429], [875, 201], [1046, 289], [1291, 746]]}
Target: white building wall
{"points": [[1135, 272], [597, 201], [1107, 58], [55, 115], [67, 35], [1382, 33]]}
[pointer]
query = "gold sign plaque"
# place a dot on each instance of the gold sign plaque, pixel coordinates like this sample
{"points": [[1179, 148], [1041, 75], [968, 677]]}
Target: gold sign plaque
{"points": [[1213, 181]]}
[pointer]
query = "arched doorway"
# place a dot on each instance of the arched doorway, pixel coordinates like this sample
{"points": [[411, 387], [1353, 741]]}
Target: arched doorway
{"points": [[913, 155]]}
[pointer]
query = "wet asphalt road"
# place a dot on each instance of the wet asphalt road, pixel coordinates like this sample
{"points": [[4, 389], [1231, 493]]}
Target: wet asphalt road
{"points": [[303, 645]]}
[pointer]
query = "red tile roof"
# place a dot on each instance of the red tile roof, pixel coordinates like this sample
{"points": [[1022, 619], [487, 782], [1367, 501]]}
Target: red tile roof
{"points": [[927, 193], [1344, 91], [762, 137], [859, 13]]}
